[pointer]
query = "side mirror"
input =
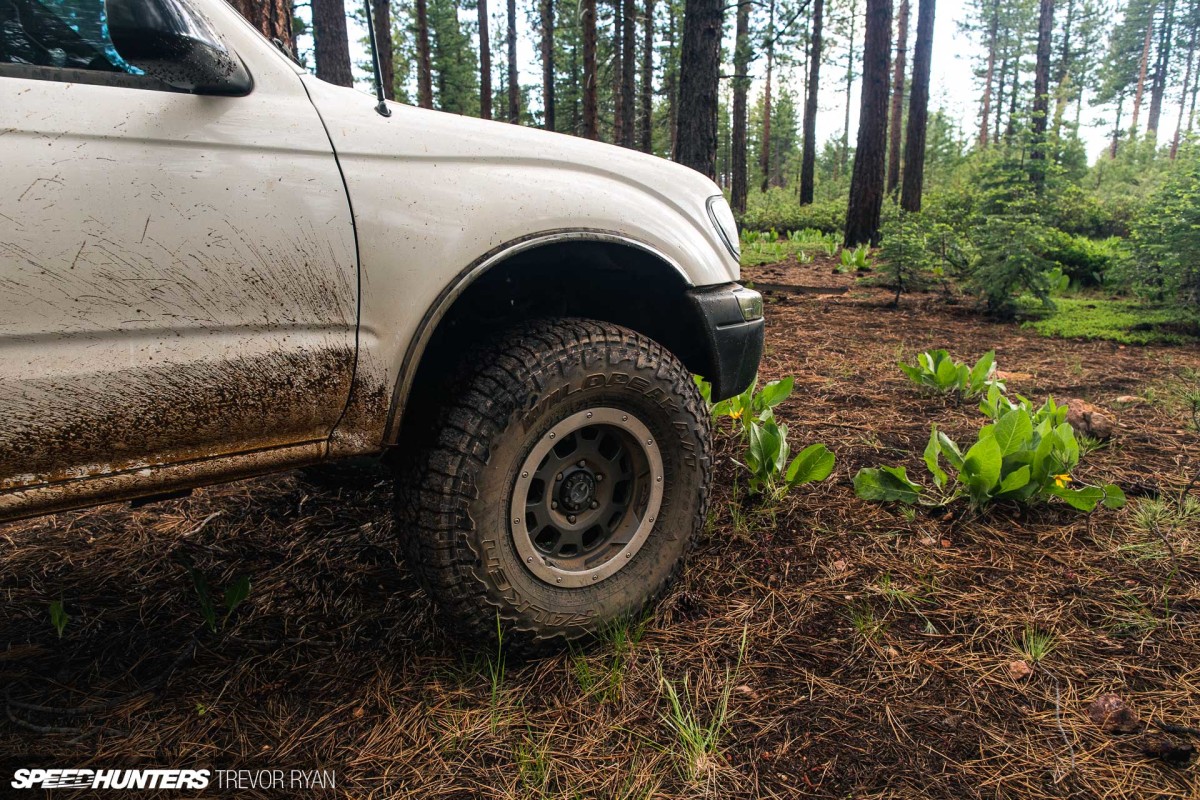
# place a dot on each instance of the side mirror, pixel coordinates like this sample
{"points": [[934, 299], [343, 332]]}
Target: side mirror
{"points": [[173, 43]]}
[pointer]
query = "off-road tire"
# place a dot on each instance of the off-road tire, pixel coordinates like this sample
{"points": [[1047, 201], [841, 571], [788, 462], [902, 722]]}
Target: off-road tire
{"points": [[453, 499]]}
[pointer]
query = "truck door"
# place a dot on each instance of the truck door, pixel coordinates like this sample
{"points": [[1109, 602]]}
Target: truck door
{"points": [[178, 279]]}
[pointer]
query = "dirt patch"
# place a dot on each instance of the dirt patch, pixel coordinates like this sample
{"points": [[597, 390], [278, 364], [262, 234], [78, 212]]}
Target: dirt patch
{"points": [[878, 644]]}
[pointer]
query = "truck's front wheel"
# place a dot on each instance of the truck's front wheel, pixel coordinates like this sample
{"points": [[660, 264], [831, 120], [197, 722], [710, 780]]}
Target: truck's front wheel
{"points": [[566, 478]]}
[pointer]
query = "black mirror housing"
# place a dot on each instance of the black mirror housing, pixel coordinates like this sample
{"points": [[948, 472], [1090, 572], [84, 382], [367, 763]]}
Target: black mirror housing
{"points": [[172, 43]]}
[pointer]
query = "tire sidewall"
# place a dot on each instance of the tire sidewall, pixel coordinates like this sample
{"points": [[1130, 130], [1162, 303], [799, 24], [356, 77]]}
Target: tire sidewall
{"points": [[626, 381]]}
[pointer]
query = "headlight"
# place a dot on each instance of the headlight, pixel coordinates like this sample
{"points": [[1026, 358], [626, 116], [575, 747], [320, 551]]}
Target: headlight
{"points": [[722, 218]]}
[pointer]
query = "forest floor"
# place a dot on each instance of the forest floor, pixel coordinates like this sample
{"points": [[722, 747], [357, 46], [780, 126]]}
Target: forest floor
{"points": [[860, 650]]}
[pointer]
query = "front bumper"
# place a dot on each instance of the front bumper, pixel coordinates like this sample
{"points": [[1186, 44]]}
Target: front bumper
{"points": [[731, 321]]}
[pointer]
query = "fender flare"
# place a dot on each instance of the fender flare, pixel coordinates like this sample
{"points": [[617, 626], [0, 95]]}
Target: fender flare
{"points": [[472, 272]]}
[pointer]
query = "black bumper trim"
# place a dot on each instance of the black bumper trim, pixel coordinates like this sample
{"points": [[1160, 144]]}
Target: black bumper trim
{"points": [[733, 346]]}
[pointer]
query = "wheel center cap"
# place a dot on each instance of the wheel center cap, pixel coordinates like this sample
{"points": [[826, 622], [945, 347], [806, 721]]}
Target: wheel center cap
{"points": [[577, 492]]}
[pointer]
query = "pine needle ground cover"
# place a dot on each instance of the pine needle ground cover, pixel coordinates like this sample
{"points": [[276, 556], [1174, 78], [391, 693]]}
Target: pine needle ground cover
{"points": [[818, 645]]}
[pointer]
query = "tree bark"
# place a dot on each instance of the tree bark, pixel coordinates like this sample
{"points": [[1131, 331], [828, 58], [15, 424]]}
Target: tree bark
{"points": [[918, 111], [617, 74], [897, 110], [1041, 96], [1064, 68], [424, 67], [628, 70], [671, 78], [699, 74], [1141, 83], [647, 129], [1183, 95], [514, 83], [765, 151], [870, 154], [588, 20], [1116, 134], [845, 154], [485, 62], [809, 159], [1162, 68], [272, 18], [331, 47], [547, 12], [741, 87], [989, 75]]}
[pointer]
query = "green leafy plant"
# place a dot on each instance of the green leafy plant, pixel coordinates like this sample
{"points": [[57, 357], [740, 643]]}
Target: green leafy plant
{"points": [[767, 455], [58, 617], [1012, 459], [996, 404], [752, 404], [233, 596], [935, 370], [858, 259]]}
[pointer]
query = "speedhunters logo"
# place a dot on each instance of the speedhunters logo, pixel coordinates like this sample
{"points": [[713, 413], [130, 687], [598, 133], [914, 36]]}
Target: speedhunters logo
{"points": [[231, 779], [110, 779]]}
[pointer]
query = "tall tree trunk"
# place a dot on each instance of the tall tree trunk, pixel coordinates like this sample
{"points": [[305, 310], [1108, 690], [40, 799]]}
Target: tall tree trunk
{"points": [[1064, 67], [870, 154], [647, 129], [618, 72], [1041, 96], [381, 15], [989, 75], [485, 62], [845, 154], [741, 87], [588, 19], [918, 111], [272, 18], [424, 68], [699, 74], [765, 151], [671, 79], [1162, 68], [628, 70], [1002, 83], [808, 166], [897, 111], [1141, 83], [331, 47], [547, 11], [1011, 127], [514, 83], [1116, 134], [1183, 94]]}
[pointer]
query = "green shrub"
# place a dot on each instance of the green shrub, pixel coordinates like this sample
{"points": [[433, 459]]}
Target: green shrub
{"points": [[1166, 238], [1014, 459], [907, 257], [749, 406], [766, 459], [1010, 263], [780, 209], [1086, 261]]}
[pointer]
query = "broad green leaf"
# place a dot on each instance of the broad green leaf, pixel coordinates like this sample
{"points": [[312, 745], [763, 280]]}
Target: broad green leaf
{"points": [[947, 375], [815, 463], [1113, 496], [1013, 431], [1013, 481], [950, 451], [932, 452], [886, 484], [775, 392], [982, 463], [1084, 499], [983, 368], [236, 593]]}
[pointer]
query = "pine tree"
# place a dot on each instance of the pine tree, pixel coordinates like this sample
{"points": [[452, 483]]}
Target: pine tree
{"points": [[547, 13], [897, 109], [741, 87], [331, 45], [918, 110], [272, 18], [424, 61], [1041, 96], [867, 182], [699, 73], [514, 84], [485, 62], [590, 78], [647, 115], [809, 159]]}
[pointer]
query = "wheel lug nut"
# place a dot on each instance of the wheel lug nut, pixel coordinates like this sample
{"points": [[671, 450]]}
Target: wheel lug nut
{"points": [[558, 477], [571, 519], [582, 463], [554, 504], [599, 476], [595, 504]]}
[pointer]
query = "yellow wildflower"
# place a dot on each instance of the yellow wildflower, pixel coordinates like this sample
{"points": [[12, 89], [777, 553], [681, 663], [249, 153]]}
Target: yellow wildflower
{"points": [[735, 413], [1061, 481]]}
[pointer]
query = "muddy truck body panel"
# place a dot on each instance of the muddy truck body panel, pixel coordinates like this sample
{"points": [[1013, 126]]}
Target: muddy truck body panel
{"points": [[204, 284]]}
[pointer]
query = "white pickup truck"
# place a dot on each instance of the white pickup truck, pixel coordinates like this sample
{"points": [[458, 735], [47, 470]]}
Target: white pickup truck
{"points": [[213, 265]]}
